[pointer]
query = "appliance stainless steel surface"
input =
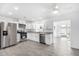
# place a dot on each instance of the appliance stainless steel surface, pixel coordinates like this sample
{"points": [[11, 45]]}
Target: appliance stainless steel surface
{"points": [[22, 32], [42, 38], [8, 34], [3, 38], [12, 30]]}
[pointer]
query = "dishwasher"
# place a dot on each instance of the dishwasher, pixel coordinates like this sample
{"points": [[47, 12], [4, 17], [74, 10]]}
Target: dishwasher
{"points": [[42, 38]]}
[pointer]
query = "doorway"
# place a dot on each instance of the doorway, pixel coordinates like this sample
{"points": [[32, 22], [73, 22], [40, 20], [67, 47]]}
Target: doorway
{"points": [[62, 29], [62, 35]]}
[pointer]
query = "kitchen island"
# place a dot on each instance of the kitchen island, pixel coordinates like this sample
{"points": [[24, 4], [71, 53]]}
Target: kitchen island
{"points": [[41, 37]]}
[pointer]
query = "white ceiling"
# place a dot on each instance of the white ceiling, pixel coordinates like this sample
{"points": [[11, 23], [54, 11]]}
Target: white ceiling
{"points": [[35, 11]]}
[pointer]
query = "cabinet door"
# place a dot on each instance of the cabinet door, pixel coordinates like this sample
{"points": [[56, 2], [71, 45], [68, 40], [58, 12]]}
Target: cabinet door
{"points": [[33, 36], [18, 38], [30, 36], [49, 39], [36, 35]]}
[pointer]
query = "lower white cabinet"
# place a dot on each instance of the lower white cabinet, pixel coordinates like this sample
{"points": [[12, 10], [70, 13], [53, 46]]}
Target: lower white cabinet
{"points": [[49, 39], [36, 37], [33, 36], [18, 38]]}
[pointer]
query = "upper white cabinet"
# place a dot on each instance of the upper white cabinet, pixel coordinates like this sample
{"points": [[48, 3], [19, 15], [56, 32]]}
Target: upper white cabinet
{"points": [[29, 26], [41, 26], [38, 27]]}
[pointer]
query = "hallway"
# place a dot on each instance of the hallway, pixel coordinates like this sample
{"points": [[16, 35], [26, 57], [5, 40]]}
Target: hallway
{"points": [[30, 48]]}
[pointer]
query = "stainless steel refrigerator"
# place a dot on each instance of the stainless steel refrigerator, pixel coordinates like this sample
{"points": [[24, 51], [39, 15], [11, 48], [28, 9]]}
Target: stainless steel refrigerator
{"points": [[8, 34], [12, 33]]}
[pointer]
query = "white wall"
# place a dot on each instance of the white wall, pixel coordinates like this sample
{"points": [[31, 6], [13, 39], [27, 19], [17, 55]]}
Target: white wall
{"points": [[75, 33], [49, 24], [74, 17]]}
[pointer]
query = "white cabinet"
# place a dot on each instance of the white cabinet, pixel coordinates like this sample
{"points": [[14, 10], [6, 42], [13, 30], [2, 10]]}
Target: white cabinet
{"points": [[29, 26], [49, 39], [30, 36], [36, 37], [18, 38], [33, 36]]}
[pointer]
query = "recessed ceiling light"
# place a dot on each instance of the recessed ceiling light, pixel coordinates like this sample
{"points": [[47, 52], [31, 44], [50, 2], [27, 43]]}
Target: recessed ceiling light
{"points": [[16, 8], [55, 12], [10, 13], [56, 7]]}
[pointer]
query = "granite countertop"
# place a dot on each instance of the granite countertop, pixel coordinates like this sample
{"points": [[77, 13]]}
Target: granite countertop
{"points": [[40, 32]]}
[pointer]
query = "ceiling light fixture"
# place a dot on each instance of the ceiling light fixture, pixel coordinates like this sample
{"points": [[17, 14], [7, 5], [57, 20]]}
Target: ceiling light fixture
{"points": [[10, 13], [56, 7], [16, 8], [55, 11]]}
